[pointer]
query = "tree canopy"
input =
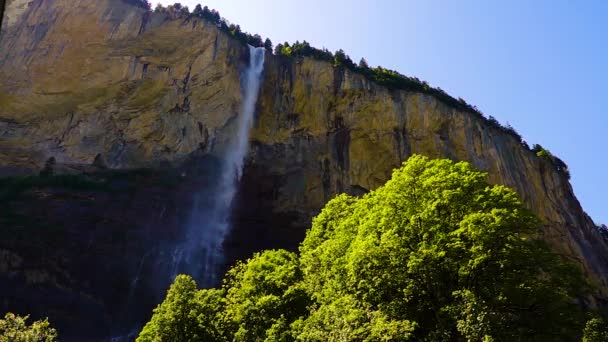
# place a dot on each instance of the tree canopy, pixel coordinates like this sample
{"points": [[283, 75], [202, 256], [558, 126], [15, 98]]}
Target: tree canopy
{"points": [[436, 254], [14, 328], [596, 330]]}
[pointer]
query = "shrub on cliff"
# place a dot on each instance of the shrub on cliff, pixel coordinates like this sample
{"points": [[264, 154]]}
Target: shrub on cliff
{"points": [[559, 164], [177, 10], [435, 254], [14, 328], [603, 229], [145, 4], [268, 44]]}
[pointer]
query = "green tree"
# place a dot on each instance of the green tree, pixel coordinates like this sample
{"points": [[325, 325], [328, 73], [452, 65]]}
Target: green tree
{"points": [[198, 11], [285, 49], [14, 328], [263, 297], [346, 318], [440, 248], [255, 40], [184, 11], [268, 44], [342, 59], [596, 330], [186, 314], [436, 254], [363, 64]]}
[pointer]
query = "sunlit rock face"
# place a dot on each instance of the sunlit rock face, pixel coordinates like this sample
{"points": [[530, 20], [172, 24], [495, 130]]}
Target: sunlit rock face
{"points": [[85, 80], [323, 131], [87, 77]]}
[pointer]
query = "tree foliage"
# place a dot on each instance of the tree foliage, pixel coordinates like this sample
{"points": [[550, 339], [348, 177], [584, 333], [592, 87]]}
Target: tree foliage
{"points": [[186, 314], [439, 247], [557, 163], [436, 254], [145, 4], [596, 330], [603, 229], [14, 328], [268, 45], [176, 11], [262, 297]]}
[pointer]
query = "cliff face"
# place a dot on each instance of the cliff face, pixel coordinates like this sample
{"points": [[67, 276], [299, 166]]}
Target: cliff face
{"points": [[329, 131], [87, 78]]}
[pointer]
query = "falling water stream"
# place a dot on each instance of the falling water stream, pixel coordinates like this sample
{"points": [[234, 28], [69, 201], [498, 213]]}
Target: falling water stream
{"points": [[202, 255]]}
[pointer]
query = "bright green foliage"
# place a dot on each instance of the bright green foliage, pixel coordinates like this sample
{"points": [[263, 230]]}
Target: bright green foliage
{"points": [[186, 314], [262, 297], [347, 319], [543, 153], [596, 330], [258, 302], [440, 247], [436, 254], [14, 328], [559, 164]]}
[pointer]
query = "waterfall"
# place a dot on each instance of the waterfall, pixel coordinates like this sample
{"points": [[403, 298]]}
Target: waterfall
{"points": [[202, 255]]}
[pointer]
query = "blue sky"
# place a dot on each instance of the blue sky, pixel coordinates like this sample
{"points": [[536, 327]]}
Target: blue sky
{"points": [[541, 66]]}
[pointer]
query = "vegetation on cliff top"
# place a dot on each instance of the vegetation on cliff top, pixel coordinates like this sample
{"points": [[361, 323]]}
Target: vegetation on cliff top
{"points": [[545, 154], [436, 254], [603, 229], [386, 77]]}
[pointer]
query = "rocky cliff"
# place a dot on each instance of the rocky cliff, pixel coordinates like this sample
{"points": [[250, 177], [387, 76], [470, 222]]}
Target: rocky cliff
{"points": [[104, 80]]}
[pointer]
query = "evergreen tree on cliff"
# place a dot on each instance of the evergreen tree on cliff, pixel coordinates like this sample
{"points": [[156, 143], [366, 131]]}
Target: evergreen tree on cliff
{"points": [[268, 44]]}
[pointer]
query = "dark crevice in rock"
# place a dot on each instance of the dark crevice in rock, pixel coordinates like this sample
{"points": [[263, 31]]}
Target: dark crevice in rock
{"points": [[357, 190], [258, 224], [326, 178], [186, 104], [186, 79], [338, 79], [144, 21], [340, 141], [183, 108], [339, 187], [144, 69], [215, 45], [99, 162], [204, 145]]}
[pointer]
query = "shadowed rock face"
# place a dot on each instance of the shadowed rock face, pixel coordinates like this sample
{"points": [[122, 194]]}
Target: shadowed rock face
{"points": [[103, 80]]}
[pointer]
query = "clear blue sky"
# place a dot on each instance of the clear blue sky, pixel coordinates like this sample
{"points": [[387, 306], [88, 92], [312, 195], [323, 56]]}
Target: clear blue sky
{"points": [[541, 66]]}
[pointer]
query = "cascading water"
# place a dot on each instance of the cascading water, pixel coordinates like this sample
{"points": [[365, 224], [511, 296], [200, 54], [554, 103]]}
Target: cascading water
{"points": [[201, 255]]}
